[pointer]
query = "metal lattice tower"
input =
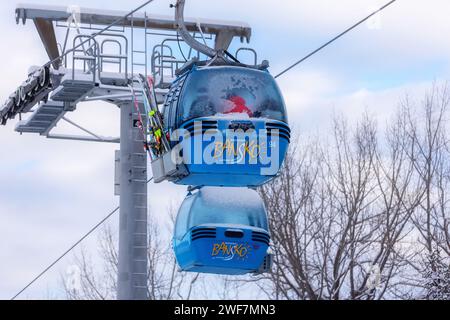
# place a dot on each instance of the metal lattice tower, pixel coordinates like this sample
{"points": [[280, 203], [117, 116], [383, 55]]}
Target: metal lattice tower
{"points": [[132, 281], [101, 68]]}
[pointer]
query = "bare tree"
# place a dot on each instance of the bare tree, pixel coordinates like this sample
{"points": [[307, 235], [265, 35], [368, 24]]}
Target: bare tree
{"points": [[354, 215], [430, 156], [437, 277], [341, 214]]}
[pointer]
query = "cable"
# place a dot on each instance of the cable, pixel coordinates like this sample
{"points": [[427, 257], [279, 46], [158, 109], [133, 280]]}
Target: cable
{"points": [[179, 47], [336, 38], [68, 251], [231, 56], [63, 55]]}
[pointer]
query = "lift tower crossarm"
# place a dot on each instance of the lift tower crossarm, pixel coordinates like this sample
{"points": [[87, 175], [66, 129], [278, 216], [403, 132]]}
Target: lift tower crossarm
{"points": [[47, 34], [224, 31]]}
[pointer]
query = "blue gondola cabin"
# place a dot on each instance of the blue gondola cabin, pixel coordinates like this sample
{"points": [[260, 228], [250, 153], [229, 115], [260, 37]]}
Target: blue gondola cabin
{"points": [[223, 231], [230, 124]]}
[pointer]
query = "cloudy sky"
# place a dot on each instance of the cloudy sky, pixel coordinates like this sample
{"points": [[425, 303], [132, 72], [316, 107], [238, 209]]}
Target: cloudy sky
{"points": [[52, 192]]}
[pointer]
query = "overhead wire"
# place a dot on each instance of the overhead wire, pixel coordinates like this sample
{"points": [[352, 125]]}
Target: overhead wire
{"points": [[76, 244], [334, 39]]}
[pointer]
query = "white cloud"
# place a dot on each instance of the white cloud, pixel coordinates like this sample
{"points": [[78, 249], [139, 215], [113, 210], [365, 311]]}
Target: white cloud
{"points": [[313, 97]]}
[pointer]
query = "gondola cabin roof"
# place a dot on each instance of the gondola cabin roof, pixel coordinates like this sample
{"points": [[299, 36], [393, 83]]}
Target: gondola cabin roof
{"points": [[221, 90], [226, 206], [223, 231]]}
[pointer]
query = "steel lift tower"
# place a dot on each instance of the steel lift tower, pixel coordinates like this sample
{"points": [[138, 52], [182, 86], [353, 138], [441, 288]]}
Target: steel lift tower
{"points": [[102, 67]]}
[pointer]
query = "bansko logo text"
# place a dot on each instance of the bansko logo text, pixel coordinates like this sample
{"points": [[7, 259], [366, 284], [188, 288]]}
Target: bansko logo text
{"points": [[215, 147], [230, 250]]}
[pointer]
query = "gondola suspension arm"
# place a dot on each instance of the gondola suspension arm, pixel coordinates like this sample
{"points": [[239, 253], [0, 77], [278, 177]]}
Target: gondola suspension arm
{"points": [[187, 37]]}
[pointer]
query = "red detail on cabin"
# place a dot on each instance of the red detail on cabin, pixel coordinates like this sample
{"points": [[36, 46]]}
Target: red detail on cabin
{"points": [[239, 106]]}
